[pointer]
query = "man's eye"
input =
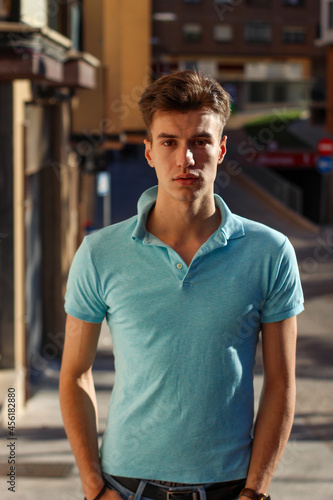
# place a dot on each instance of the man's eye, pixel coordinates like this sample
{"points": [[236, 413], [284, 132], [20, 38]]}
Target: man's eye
{"points": [[168, 143], [200, 142]]}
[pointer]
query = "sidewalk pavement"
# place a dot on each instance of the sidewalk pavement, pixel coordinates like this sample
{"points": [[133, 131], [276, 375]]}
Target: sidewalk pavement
{"points": [[46, 468], [45, 465]]}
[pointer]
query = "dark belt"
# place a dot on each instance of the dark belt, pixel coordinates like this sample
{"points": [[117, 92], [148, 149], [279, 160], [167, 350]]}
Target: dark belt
{"points": [[217, 491]]}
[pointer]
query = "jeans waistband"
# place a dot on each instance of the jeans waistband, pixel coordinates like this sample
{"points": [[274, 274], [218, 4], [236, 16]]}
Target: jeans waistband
{"points": [[136, 489]]}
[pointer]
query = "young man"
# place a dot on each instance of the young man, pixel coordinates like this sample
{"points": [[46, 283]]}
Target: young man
{"points": [[186, 286]]}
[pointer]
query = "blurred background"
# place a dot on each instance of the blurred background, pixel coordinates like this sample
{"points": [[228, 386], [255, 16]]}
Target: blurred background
{"points": [[71, 153]]}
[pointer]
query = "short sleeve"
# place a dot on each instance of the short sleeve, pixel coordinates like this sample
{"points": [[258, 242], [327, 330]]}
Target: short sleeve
{"points": [[285, 295], [83, 298]]}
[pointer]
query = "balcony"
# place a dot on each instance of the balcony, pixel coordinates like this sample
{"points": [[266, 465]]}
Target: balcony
{"points": [[44, 56]]}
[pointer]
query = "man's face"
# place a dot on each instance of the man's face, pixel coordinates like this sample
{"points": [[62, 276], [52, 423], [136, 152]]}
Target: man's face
{"points": [[185, 149]]}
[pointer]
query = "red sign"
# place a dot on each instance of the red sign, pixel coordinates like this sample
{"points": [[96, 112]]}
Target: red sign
{"points": [[325, 147], [287, 159]]}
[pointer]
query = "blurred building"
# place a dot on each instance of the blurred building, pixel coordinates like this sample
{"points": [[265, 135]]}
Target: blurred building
{"points": [[326, 41], [118, 33], [42, 64], [262, 51], [71, 74]]}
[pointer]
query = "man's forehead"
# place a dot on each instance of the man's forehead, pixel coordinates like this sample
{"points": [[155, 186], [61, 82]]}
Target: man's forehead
{"points": [[199, 122]]}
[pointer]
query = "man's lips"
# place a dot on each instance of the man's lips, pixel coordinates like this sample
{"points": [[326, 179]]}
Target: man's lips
{"points": [[186, 176], [186, 180]]}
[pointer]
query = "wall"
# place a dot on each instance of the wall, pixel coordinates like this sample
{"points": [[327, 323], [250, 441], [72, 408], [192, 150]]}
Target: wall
{"points": [[6, 229], [118, 33], [21, 94], [329, 86]]}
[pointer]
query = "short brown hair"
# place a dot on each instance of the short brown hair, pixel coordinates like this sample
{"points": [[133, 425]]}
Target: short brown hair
{"points": [[184, 91]]}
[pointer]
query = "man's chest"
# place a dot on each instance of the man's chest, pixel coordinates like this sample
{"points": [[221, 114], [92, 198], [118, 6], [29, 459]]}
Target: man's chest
{"points": [[156, 295]]}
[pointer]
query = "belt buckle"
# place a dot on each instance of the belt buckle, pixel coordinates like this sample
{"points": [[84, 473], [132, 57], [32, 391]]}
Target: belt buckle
{"points": [[184, 492]]}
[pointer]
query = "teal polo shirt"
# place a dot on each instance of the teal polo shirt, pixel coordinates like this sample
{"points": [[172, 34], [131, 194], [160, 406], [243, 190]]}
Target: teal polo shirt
{"points": [[184, 340]]}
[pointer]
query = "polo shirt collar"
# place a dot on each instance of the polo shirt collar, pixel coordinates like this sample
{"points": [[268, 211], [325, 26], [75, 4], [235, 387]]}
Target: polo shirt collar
{"points": [[231, 226], [145, 203]]}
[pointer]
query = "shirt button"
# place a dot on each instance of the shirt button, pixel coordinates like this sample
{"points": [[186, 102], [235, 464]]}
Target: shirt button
{"points": [[179, 265]]}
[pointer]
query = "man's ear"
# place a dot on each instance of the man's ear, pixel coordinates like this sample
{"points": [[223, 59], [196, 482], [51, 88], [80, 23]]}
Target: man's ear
{"points": [[223, 149], [148, 153]]}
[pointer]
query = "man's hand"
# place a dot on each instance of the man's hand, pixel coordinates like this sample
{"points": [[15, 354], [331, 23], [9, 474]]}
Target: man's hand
{"points": [[108, 495], [111, 495]]}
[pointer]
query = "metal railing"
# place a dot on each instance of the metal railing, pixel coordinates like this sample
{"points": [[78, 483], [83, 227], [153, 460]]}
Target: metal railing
{"points": [[279, 187]]}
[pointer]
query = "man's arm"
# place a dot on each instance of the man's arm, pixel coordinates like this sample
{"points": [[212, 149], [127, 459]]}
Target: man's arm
{"points": [[277, 406], [78, 403]]}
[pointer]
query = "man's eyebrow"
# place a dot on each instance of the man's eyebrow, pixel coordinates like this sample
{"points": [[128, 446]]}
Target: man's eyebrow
{"points": [[208, 135], [164, 135]]}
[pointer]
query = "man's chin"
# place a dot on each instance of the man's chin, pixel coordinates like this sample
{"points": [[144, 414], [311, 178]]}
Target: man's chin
{"points": [[187, 194]]}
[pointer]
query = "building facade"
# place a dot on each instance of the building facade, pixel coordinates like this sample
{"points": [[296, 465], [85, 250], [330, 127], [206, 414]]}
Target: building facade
{"points": [[263, 51], [42, 64], [326, 41], [108, 117]]}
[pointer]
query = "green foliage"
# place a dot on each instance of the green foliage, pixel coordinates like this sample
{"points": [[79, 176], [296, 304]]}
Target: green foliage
{"points": [[276, 125]]}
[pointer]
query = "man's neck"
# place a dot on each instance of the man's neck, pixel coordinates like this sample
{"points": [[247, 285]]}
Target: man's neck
{"points": [[184, 226]]}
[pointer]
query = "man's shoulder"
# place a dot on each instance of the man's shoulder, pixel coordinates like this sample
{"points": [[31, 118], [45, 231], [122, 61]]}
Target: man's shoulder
{"points": [[111, 236], [259, 232]]}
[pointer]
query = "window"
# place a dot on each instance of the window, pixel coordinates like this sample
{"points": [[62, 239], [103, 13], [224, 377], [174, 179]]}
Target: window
{"points": [[258, 92], [29, 14], [192, 65], [279, 91], [223, 7], [257, 32], [294, 3], [192, 32], [223, 33], [293, 34]]}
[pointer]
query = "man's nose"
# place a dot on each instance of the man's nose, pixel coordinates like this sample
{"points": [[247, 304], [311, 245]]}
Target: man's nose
{"points": [[185, 158]]}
